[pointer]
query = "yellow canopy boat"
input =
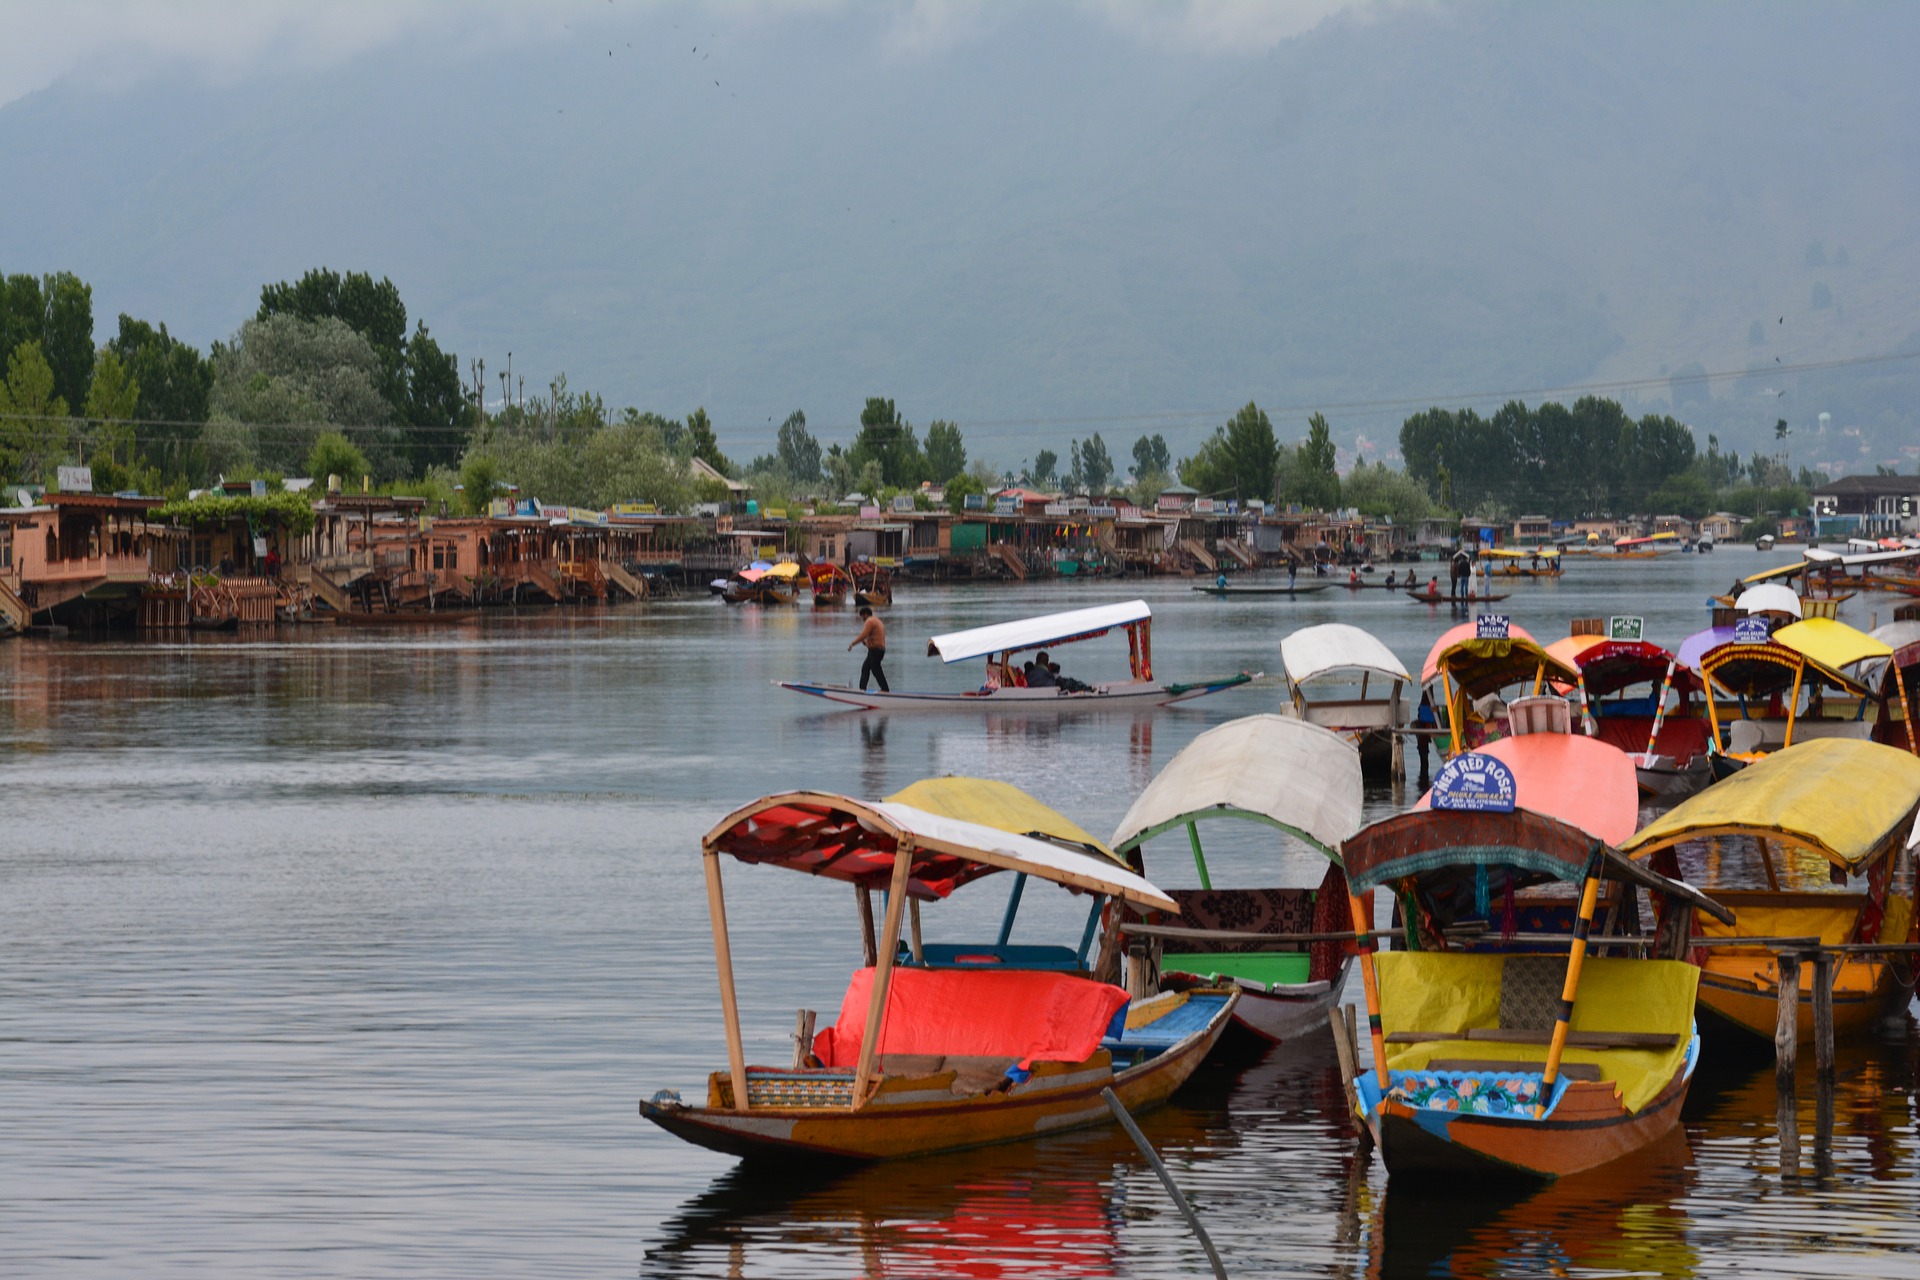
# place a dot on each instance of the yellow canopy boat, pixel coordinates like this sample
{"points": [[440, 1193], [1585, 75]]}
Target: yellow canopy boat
{"points": [[940, 1047], [1809, 842]]}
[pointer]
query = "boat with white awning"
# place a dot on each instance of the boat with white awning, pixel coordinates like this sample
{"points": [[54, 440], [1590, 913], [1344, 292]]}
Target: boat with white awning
{"points": [[1007, 686], [1345, 679]]}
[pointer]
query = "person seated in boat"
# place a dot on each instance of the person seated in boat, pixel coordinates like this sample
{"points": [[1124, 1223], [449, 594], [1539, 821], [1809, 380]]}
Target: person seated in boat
{"points": [[1040, 673], [1433, 586], [1353, 577], [1066, 682], [1221, 582]]}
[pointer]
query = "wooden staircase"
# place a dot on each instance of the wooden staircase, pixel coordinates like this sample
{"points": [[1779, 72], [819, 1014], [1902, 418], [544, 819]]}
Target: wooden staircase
{"points": [[537, 577], [14, 613], [1205, 558], [617, 574], [1007, 556], [328, 592], [1239, 551]]}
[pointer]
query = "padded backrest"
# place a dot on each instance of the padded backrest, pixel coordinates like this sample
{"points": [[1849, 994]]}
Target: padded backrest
{"points": [[1019, 1014]]}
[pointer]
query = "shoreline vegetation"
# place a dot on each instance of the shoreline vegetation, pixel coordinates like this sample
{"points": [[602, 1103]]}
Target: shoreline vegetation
{"points": [[326, 379]]}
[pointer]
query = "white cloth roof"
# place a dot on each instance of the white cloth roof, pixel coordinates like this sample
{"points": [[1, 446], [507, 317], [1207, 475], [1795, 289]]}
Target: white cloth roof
{"points": [[1821, 556], [1898, 635], [1031, 633], [1768, 597], [1335, 646], [1296, 775], [989, 845]]}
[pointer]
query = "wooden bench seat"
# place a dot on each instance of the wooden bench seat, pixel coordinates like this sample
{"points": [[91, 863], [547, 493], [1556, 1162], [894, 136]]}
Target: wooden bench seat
{"points": [[1521, 1035]]}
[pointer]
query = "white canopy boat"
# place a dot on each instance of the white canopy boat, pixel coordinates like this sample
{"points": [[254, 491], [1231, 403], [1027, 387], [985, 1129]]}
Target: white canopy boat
{"points": [[1344, 679], [1006, 687], [1287, 949]]}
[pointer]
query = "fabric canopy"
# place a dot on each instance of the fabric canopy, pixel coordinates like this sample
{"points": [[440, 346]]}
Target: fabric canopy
{"points": [[1335, 646], [1002, 806], [785, 569], [846, 839], [1298, 776], [1837, 648], [1434, 846], [1580, 781], [1903, 638], [1608, 666], [1034, 633], [1480, 667], [1842, 798], [1697, 645], [1768, 597]]}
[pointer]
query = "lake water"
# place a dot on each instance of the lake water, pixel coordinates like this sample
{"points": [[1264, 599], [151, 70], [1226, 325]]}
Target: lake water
{"points": [[350, 954]]}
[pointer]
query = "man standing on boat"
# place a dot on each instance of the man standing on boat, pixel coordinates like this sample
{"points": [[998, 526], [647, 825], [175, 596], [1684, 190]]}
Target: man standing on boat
{"points": [[873, 634]]}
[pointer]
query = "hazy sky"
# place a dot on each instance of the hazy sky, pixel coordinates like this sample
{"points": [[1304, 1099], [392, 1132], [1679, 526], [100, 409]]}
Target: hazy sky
{"points": [[227, 39]]}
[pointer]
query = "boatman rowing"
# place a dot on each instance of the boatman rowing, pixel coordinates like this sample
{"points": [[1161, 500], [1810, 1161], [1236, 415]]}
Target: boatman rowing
{"points": [[873, 634]]}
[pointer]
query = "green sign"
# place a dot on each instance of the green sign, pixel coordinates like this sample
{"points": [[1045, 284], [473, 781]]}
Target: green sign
{"points": [[1626, 628]]}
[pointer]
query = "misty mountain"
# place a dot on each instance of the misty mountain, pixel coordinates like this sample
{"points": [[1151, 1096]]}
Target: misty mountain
{"points": [[1048, 227]]}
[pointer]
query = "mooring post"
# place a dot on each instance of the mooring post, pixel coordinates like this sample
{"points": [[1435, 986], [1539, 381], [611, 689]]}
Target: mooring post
{"points": [[1349, 1067], [1823, 1014], [1786, 1024], [1397, 768]]}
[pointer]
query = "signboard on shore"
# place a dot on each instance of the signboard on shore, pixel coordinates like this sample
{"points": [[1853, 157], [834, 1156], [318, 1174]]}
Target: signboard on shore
{"points": [[1474, 782], [1492, 626], [80, 479], [635, 509], [1058, 508], [1203, 506], [974, 502], [1006, 506], [1623, 628], [1103, 511], [869, 512]]}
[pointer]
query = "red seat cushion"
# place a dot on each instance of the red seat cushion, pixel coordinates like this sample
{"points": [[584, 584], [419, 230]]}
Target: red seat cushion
{"points": [[1682, 737], [1023, 1014]]}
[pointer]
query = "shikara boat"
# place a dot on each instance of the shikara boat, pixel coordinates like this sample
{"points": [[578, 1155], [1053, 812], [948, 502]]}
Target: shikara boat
{"points": [[1648, 548], [1423, 596], [1267, 589], [1810, 842], [1006, 688], [1524, 562], [1493, 1061], [1286, 947], [830, 583], [1623, 691], [1475, 664], [1900, 688], [1801, 681], [763, 584], [1343, 678], [936, 1048], [872, 584]]}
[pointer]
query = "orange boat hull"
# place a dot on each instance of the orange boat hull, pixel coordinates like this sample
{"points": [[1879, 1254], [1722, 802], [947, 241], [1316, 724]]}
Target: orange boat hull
{"points": [[908, 1116], [1588, 1129]]}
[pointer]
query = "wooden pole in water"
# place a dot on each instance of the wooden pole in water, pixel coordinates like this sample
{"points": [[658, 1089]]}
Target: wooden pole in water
{"points": [[883, 970], [1823, 1014], [1166, 1179], [723, 959], [1786, 1023], [1343, 1049]]}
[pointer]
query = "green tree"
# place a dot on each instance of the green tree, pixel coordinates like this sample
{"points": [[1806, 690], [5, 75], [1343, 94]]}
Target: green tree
{"points": [[946, 453], [1045, 463], [335, 455], [1151, 458], [1240, 459], [842, 477], [1092, 464], [283, 380], [33, 417], [887, 438], [479, 481], [372, 310], [23, 312], [704, 444], [438, 414], [959, 488], [1316, 477], [798, 452], [67, 334], [113, 398], [1381, 491]]}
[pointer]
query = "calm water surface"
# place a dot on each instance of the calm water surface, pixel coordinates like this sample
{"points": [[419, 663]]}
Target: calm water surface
{"points": [[348, 954]]}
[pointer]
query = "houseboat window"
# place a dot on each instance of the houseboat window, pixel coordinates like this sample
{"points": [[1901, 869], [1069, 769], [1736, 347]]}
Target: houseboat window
{"points": [[453, 557], [6, 547], [439, 557]]}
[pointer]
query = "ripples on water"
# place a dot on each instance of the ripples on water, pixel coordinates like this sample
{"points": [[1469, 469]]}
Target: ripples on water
{"points": [[339, 955]]}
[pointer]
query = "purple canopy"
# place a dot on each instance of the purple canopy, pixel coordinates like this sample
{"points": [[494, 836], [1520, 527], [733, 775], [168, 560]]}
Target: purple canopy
{"points": [[1696, 646]]}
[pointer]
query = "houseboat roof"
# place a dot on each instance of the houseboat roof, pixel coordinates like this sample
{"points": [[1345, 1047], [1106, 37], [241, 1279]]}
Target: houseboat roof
{"points": [[1276, 769], [101, 501], [855, 840], [1033, 633], [1795, 794]]}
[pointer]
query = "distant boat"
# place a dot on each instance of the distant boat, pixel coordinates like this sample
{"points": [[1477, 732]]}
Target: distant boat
{"points": [[1006, 687], [1217, 590], [1428, 598]]}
